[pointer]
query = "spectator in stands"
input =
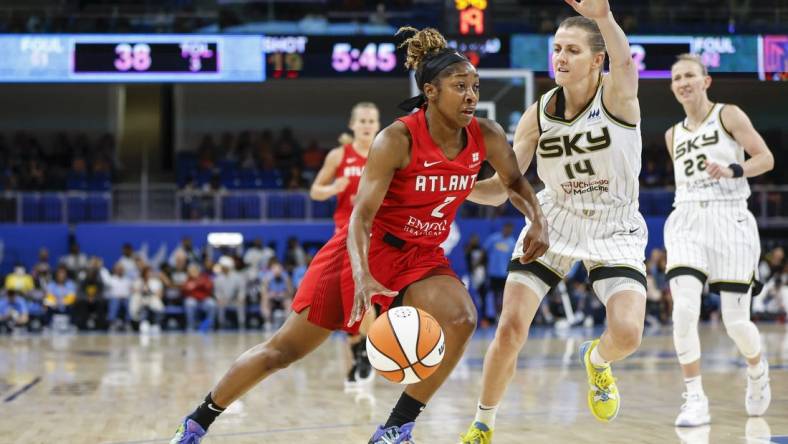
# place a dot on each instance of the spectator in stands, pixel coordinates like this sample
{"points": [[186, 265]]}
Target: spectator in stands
{"points": [[295, 179], [300, 271], [230, 292], [312, 158], [75, 261], [295, 255], [90, 309], [13, 311], [118, 288], [499, 248], [257, 256], [193, 254], [198, 295], [276, 291], [128, 261], [61, 294], [42, 269], [19, 280], [659, 303], [771, 264], [476, 262], [146, 303]]}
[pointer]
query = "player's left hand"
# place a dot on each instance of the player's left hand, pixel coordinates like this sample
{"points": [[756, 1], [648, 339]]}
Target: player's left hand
{"points": [[718, 171], [365, 288], [536, 242], [593, 9]]}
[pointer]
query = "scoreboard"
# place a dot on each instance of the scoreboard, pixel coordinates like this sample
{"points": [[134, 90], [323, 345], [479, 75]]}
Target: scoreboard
{"points": [[131, 58]]}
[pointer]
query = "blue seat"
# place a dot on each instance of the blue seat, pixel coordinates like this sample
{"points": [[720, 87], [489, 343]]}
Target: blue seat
{"points": [[295, 206], [100, 182], [75, 181], [250, 179], [231, 207], [51, 208], [31, 211], [251, 207], [324, 209], [76, 208], [98, 208], [276, 207]]}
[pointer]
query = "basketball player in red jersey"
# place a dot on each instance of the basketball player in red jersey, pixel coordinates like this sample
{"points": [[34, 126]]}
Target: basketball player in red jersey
{"points": [[339, 176], [420, 169]]}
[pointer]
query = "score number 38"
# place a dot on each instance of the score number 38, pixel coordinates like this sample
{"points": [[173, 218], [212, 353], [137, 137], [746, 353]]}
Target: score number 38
{"points": [[136, 57]]}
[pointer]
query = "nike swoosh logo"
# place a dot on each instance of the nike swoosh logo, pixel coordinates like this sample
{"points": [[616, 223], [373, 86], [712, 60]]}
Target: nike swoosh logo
{"points": [[351, 160], [211, 406], [429, 164], [633, 231], [741, 220]]}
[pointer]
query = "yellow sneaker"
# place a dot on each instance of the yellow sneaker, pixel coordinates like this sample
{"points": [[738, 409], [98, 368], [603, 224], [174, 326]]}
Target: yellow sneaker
{"points": [[603, 399], [478, 433]]}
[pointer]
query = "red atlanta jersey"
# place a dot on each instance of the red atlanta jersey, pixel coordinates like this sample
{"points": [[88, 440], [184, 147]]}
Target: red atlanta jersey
{"points": [[423, 198], [351, 166]]}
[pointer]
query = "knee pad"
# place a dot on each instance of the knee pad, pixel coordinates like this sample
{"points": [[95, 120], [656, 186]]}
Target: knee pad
{"points": [[736, 317], [538, 286], [605, 288], [686, 291]]}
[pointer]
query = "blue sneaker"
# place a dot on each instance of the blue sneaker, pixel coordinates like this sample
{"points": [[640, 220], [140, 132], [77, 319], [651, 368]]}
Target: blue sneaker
{"points": [[394, 435], [189, 432]]}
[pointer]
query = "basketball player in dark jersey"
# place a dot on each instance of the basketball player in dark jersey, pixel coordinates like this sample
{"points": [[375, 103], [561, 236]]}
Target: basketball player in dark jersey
{"points": [[420, 169], [339, 176]]}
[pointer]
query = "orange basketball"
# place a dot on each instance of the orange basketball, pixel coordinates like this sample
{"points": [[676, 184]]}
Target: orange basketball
{"points": [[405, 345]]}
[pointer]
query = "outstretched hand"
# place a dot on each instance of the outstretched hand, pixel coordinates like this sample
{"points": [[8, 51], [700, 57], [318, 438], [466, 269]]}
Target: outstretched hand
{"points": [[365, 289], [593, 9]]}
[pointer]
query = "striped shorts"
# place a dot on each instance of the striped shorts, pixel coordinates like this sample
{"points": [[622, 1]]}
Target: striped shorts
{"points": [[610, 243], [716, 241]]}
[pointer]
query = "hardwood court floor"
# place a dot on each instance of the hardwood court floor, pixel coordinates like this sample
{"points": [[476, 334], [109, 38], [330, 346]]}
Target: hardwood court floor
{"points": [[124, 389]]}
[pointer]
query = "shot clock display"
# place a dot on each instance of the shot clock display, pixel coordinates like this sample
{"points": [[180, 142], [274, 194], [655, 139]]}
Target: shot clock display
{"points": [[289, 57], [131, 58]]}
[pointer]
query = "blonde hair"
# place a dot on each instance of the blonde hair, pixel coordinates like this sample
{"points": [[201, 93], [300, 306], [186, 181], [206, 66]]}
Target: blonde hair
{"points": [[421, 44], [595, 40], [359, 106], [691, 58]]}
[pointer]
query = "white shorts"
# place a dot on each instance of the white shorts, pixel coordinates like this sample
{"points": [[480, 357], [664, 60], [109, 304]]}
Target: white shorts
{"points": [[610, 243], [714, 241]]}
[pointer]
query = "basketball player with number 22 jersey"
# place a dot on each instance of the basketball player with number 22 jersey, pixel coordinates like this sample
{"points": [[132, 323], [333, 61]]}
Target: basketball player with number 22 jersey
{"points": [[711, 236]]}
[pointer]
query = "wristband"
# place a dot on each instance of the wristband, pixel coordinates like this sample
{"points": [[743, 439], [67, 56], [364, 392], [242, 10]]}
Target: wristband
{"points": [[737, 169]]}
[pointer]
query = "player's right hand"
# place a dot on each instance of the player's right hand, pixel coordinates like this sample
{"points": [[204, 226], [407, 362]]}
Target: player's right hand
{"points": [[536, 242], [341, 183], [365, 289]]}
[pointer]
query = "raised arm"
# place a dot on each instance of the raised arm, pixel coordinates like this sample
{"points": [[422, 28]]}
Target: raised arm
{"points": [[502, 158], [739, 126], [325, 186], [621, 85], [389, 152], [492, 191]]}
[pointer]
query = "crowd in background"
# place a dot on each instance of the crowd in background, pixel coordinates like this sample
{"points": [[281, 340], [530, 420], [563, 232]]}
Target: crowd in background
{"points": [[30, 162], [251, 287]]}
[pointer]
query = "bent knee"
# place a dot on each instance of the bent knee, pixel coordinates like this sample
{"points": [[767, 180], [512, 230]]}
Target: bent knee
{"points": [[512, 334], [627, 335], [462, 322]]}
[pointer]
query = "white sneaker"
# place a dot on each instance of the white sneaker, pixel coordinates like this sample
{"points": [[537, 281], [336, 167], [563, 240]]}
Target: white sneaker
{"points": [[694, 412], [759, 393]]}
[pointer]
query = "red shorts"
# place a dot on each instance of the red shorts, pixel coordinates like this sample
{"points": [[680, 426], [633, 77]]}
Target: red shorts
{"points": [[327, 286]]}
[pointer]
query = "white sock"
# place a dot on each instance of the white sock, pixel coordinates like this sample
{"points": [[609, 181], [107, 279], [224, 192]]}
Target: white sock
{"points": [[597, 360], [694, 385], [486, 415], [755, 371]]}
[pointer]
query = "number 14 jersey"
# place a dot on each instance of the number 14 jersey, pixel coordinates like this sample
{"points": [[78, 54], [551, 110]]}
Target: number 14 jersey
{"points": [[590, 162]]}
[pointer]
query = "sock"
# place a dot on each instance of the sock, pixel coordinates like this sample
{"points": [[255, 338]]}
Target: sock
{"points": [[694, 385], [755, 371], [406, 410], [206, 412], [486, 415], [597, 360]]}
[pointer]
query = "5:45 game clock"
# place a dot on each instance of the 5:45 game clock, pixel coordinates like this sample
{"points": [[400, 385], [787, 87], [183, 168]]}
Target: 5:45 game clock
{"points": [[372, 57]]}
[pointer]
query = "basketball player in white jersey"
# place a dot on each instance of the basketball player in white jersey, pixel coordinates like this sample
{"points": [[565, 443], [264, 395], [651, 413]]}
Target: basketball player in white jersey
{"points": [[586, 135], [711, 236]]}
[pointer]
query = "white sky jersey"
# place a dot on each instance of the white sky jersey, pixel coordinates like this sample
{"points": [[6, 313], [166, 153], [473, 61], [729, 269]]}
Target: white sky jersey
{"points": [[590, 162], [692, 150]]}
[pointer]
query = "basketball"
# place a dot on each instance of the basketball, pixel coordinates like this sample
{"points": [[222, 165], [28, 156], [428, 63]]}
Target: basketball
{"points": [[405, 345]]}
